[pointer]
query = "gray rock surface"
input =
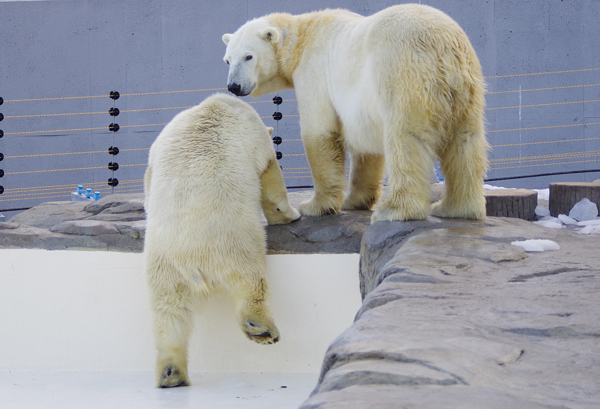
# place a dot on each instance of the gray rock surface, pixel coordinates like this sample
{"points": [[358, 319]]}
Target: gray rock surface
{"points": [[454, 316], [117, 223]]}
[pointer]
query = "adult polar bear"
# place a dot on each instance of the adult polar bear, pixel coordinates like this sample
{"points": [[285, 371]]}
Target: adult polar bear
{"points": [[404, 84], [211, 172]]}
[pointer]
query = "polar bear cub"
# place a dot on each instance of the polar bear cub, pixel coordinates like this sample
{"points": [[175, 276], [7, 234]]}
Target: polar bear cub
{"points": [[211, 172], [404, 85]]}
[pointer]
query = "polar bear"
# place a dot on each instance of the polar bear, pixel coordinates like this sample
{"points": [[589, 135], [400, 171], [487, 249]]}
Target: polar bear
{"points": [[210, 173], [403, 84]]}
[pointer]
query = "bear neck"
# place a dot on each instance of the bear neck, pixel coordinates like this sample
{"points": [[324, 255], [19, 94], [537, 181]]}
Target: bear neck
{"points": [[298, 33]]}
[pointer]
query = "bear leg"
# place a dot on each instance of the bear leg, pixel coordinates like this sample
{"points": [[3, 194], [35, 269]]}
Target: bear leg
{"points": [[366, 174], [326, 158], [172, 330], [464, 163], [409, 166], [254, 316], [274, 200]]}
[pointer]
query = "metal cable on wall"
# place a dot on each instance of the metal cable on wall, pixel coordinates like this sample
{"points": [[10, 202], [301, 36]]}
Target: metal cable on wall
{"points": [[511, 156]]}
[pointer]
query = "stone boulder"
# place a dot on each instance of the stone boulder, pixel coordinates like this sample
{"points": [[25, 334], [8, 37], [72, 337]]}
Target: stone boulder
{"points": [[454, 316]]}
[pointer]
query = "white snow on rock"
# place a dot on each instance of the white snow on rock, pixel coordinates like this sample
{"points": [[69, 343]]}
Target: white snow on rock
{"points": [[589, 222], [590, 229], [536, 245], [542, 211], [543, 194], [551, 219], [491, 187], [566, 219], [550, 224], [584, 210]]}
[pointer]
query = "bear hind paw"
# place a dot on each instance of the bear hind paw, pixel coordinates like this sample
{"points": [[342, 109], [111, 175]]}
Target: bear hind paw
{"points": [[172, 377], [475, 212], [389, 213]]}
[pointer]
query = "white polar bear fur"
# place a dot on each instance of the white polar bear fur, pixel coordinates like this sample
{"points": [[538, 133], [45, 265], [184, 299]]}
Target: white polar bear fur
{"points": [[403, 84], [211, 172]]}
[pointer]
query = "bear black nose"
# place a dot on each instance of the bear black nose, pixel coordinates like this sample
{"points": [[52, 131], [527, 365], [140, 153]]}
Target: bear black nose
{"points": [[235, 88]]}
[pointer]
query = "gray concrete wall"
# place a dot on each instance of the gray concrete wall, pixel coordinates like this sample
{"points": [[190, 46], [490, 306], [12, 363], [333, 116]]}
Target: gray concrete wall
{"points": [[165, 55]]}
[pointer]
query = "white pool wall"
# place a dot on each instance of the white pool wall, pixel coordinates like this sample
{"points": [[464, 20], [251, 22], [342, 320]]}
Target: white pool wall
{"points": [[89, 310]]}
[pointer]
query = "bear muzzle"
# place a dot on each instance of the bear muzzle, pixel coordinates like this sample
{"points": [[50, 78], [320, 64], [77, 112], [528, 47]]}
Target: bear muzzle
{"points": [[236, 89]]}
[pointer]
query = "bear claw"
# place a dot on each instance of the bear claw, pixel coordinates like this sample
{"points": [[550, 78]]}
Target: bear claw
{"points": [[264, 338], [261, 334]]}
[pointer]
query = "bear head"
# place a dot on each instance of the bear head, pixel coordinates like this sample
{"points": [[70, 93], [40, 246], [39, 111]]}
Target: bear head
{"points": [[252, 58]]}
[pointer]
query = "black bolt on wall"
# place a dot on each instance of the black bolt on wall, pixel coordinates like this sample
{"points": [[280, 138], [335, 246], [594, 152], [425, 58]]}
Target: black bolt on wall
{"points": [[113, 150], [277, 100]]}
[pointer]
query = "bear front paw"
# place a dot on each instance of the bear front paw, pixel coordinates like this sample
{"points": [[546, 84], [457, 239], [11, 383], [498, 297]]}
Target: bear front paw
{"points": [[313, 208], [172, 377], [261, 334]]}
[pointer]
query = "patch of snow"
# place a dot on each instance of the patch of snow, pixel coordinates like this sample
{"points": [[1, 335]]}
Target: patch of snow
{"points": [[584, 210], [542, 211], [551, 219], [566, 219], [543, 194], [590, 229], [536, 245], [589, 222], [550, 224], [490, 187]]}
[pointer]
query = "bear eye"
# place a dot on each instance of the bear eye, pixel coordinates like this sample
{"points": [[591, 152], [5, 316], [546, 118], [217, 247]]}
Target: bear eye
{"points": [[248, 57]]}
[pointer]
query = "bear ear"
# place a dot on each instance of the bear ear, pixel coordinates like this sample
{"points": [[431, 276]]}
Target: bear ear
{"points": [[226, 38], [270, 34], [270, 129]]}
